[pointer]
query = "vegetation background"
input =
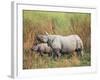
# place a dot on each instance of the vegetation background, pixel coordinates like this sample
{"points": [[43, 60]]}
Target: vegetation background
{"points": [[63, 23]]}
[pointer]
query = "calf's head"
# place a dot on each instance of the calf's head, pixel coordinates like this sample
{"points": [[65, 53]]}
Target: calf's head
{"points": [[34, 48]]}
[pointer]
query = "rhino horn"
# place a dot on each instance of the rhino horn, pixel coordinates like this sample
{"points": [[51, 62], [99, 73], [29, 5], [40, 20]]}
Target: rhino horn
{"points": [[46, 33]]}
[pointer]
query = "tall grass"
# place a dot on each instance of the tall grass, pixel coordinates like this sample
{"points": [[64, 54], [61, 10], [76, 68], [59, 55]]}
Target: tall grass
{"points": [[39, 22], [81, 25]]}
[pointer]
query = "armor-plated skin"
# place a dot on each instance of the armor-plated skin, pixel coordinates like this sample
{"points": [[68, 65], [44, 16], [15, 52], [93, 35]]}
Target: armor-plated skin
{"points": [[42, 48], [60, 44]]}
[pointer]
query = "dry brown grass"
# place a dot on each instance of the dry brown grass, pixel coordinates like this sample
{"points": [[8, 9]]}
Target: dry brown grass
{"points": [[35, 61]]}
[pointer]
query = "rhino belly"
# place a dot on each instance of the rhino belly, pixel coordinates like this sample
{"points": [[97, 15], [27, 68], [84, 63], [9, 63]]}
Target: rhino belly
{"points": [[68, 47]]}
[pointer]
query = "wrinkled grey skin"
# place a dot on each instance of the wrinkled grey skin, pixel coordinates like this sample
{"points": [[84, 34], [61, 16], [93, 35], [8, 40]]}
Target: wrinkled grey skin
{"points": [[42, 48], [60, 44]]}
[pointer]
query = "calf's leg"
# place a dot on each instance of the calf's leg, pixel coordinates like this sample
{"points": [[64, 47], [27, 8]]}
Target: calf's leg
{"points": [[41, 53]]}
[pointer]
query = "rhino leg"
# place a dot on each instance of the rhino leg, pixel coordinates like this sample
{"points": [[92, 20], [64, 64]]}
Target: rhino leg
{"points": [[41, 53], [79, 52], [56, 53], [54, 56]]}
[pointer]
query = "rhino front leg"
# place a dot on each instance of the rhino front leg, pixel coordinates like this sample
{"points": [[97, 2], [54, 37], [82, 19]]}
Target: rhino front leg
{"points": [[57, 53]]}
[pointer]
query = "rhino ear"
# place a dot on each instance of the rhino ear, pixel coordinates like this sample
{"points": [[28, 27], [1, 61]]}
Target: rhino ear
{"points": [[46, 33]]}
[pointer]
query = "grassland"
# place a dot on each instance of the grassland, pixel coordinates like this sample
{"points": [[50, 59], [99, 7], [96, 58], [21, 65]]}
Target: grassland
{"points": [[39, 22]]}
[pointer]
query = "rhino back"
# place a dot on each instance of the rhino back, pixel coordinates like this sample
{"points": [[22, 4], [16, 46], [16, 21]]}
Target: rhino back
{"points": [[69, 43]]}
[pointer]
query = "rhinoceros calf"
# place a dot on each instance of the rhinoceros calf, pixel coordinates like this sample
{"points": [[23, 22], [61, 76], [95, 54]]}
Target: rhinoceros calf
{"points": [[42, 48], [60, 44]]}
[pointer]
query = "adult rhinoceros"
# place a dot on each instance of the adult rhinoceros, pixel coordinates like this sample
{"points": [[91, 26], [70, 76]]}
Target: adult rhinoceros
{"points": [[60, 44]]}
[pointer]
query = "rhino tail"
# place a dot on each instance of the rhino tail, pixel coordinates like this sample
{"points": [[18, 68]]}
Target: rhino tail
{"points": [[82, 47], [79, 47]]}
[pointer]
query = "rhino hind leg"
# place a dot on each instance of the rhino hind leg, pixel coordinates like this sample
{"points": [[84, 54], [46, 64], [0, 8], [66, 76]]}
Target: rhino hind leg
{"points": [[79, 52]]}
